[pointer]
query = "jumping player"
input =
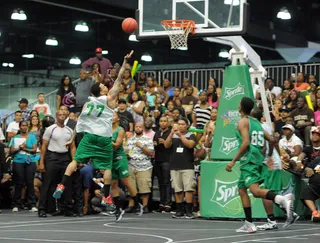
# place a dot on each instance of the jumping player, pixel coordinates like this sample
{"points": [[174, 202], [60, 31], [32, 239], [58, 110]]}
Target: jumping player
{"points": [[251, 138], [95, 122], [120, 170]]}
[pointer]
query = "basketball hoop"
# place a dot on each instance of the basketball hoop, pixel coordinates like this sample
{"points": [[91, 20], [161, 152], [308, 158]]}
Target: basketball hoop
{"points": [[178, 31]]}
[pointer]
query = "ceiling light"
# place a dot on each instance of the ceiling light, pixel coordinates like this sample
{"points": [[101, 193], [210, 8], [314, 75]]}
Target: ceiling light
{"points": [[146, 58], [75, 61], [133, 38], [224, 54], [5, 64], [11, 65], [182, 48], [82, 27], [284, 14], [18, 15], [28, 55], [234, 3], [105, 52], [51, 41]]}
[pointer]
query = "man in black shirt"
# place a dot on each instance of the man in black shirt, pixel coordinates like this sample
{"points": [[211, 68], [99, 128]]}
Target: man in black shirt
{"points": [[284, 113], [311, 192], [162, 165], [126, 118], [182, 145]]}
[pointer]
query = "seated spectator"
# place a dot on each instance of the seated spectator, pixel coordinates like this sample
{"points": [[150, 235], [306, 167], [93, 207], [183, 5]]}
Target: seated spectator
{"points": [[184, 91], [122, 92], [313, 88], [277, 105], [290, 142], [140, 150], [104, 63], [153, 90], [182, 145], [287, 85], [270, 86], [311, 192], [289, 121], [111, 78], [167, 86], [213, 98], [137, 104], [13, 126], [34, 127], [188, 102], [300, 84], [141, 82], [278, 124], [41, 107], [23, 147], [212, 82], [312, 78], [176, 97], [317, 112], [304, 119], [291, 102], [66, 94], [128, 81]]}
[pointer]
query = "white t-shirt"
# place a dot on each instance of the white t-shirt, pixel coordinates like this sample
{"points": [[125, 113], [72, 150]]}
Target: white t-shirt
{"points": [[42, 109], [1, 135], [276, 90], [291, 143], [13, 127]]}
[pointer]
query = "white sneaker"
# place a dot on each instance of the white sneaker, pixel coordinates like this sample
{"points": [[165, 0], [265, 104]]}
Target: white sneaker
{"points": [[15, 209], [247, 228], [270, 225], [33, 209], [287, 204]]}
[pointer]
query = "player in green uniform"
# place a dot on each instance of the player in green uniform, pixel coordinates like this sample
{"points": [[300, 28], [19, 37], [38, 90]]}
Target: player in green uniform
{"points": [[120, 169], [95, 122], [251, 138]]}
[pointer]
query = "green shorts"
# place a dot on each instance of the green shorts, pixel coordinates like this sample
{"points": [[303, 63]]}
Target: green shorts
{"points": [[98, 149], [272, 179], [250, 173], [120, 168]]}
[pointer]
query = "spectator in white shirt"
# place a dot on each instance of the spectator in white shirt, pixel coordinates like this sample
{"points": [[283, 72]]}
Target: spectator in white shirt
{"points": [[272, 88], [290, 142], [13, 126], [41, 107], [2, 138]]}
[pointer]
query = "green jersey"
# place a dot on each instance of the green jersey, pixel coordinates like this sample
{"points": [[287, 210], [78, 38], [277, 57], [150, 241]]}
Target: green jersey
{"points": [[254, 154], [114, 139]]}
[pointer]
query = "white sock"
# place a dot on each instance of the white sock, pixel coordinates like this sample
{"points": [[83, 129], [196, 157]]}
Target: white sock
{"points": [[278, 199]]}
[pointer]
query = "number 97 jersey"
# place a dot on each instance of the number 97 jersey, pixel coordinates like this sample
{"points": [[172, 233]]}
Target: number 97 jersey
{"points": [[254, 154], [96, 117]]}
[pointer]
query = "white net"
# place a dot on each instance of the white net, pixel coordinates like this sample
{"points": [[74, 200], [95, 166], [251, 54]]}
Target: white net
{"points": [[178, 31]]}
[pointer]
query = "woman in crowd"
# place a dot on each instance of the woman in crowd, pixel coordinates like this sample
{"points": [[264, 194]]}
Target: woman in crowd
{"points": [[287, 85], [212, 82], [317, 112], [23, 146], [291, 102], [128, 81], [34, 126], [66, 94], [213, 98], [122, 92], [277, 105], [95, 74], [136, 103]]}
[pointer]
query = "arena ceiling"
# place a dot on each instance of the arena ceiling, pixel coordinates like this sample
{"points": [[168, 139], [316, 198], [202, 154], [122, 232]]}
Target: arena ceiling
{"points": [[45, 18]]}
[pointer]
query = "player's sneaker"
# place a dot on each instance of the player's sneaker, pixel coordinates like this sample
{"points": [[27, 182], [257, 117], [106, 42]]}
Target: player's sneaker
{"points": [[178, 215], [270, 225], [247, 228], [119, 213], [59, 190], [107, 202], [315, 217], [139, 209], [287, 204]]}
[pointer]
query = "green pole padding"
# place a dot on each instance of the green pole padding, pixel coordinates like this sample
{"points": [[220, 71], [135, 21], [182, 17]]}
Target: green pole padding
{"points": [[236, 85]]}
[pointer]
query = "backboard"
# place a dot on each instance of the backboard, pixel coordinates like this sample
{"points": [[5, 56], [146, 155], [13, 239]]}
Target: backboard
{"points": [[212, 17]]}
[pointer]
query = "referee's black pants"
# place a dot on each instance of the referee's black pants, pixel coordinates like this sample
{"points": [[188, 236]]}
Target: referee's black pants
{"points": [[55, 167]]}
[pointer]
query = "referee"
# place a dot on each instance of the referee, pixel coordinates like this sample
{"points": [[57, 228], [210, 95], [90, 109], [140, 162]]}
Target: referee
{"points": [[54, 160]]}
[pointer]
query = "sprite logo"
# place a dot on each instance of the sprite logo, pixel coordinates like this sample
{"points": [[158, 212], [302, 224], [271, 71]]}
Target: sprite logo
{"points": [[228, 145], [229, 93], [225, 192]]}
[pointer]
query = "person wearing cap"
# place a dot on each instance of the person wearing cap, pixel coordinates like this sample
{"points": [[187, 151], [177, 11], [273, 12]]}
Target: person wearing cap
{"points": [[105, 64], [303, 118], [290, 143], [284, 113], [126, 118], [23, 106]]}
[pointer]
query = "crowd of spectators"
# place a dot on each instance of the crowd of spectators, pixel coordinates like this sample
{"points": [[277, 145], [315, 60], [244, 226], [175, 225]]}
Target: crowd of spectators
{"points": [[34, 154]]}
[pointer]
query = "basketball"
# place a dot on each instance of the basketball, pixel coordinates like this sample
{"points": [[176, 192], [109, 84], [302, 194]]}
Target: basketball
{"points": [[129, 25]]}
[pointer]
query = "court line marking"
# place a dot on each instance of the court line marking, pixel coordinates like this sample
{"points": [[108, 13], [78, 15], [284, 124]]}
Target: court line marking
{"points": [[168, 240], [245, 235], [113, 225], [275, 238], [48, 240]]}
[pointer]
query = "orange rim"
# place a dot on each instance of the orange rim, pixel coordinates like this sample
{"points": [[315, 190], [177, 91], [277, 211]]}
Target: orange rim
{"points": [[183, 24]]}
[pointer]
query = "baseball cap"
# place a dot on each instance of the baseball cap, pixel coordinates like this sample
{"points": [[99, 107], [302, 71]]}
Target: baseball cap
{"points": [[98, 50], [284, 109], [316, 130], [23, 100], [122, 101], [288, 126]]}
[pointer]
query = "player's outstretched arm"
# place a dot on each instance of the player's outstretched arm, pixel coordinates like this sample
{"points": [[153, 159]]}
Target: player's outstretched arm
{"points": [[113, 93]]}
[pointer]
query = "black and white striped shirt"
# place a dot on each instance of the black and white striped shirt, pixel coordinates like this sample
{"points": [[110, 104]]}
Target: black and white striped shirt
{"points": [[202, 114]]}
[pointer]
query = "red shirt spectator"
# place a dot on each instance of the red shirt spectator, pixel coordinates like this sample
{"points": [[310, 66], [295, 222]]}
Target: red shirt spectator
{"points": [[105, 64]]}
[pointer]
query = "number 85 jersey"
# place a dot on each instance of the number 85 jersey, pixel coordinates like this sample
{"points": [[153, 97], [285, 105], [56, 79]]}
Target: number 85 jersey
{"points": [[96, 117], [254, 154]]}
